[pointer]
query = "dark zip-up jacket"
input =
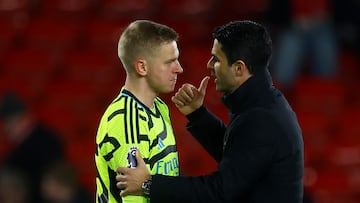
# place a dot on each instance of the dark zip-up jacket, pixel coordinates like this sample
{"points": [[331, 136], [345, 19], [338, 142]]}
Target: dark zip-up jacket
{"points": [[259, 154]]}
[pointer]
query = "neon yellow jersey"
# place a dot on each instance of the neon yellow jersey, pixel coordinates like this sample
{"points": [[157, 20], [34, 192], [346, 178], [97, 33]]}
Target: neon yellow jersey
{"points": [[128, 123]]}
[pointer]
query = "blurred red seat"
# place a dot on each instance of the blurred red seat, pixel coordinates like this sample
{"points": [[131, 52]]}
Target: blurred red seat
{"points": [[319, 95], [93, 66], [349, 63], [349, 71], [31, 91], [10, 5], [342, 154], [332, 186], [28, 63], [104, 34], [313, 123], [59, 118], [30, 66], [127, 9], [54, 36], [317, 134], [245, 9], [185, 10], [11, 9], [28, 71], [72, 109], [14, 16], [194, 62], [349, 132], [191, 33], [74, 10], [73, 101], [81, 153], [7, 37], [77, 96]]}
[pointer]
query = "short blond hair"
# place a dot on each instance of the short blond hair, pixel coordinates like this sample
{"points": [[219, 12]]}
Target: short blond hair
{"points": [[143, 38]]}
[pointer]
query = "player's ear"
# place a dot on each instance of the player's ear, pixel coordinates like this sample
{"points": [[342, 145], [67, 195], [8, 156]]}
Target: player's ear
{"points": [[141, 67], [240, 68]]}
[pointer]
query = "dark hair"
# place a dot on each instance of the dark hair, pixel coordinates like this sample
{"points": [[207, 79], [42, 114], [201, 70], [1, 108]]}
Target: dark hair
{"points": [[247, 41]]}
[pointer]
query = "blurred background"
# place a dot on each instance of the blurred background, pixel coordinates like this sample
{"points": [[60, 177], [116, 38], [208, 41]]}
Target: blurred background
{"points": [[59, 70]]}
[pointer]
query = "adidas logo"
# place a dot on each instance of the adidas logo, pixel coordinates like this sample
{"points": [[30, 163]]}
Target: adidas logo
{"points": [[160, 143]]}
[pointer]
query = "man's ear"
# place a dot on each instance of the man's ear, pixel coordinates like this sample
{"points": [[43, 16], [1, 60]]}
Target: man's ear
{"points": [[141, 67], [240, 68]]}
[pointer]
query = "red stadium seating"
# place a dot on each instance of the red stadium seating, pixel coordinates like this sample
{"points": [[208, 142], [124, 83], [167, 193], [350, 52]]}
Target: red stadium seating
{"points": [[349, 72], [94, 67], [104, 34], [55, 36], [185, 10], [331, 186], [317, 136], [325, 96], [245, 9], [194, 62], [79, 11], [14, 8], [27, 71], [71, 107], [7, 37], [28, 64], [127, 9]]}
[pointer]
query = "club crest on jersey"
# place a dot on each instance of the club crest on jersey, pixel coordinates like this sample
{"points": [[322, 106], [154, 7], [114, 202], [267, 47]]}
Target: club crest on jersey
{"points": [[131, 157]]}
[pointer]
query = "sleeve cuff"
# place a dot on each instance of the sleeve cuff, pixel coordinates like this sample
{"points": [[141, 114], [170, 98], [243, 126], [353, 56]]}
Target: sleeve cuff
{"points": [[196, 114]]}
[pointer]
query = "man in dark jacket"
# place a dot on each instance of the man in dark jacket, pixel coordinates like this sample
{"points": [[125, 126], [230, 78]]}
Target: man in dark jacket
{"points": [[259, 154]]}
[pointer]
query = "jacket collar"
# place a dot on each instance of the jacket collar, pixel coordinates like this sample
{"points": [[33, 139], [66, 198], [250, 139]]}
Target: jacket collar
{"points": [[249, 94]]}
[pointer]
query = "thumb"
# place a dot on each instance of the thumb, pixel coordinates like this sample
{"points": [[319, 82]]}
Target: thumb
{"points": [[203, 85]]}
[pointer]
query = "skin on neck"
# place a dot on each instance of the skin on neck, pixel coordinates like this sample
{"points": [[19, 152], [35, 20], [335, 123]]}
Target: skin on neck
{"points": [[139, 87]]}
